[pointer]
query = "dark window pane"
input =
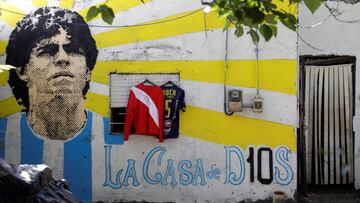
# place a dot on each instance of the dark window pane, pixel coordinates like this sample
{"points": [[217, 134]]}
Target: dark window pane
{"points": [[117, 119]]}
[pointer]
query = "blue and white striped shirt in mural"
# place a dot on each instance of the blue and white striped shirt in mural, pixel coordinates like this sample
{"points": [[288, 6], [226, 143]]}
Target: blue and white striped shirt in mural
{"points": [[71, 159]]}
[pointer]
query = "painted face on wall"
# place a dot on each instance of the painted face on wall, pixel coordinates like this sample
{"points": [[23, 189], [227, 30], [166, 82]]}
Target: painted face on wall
{"points": [[57, 66]]}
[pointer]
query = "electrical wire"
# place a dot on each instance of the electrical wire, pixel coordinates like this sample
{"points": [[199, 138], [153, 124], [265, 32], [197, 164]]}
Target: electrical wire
{"points": [[14, 12], [154, 23], [225, 71], [308, 44], [332, 14], [205, 27], [257, 96], [336, 16], [120, 26], [331, 10], [257, 66]]}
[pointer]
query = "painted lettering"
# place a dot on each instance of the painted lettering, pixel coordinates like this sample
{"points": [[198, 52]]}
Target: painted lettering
{"points": [[169, 172], [282, 158], [185, 176], [108, 181], [131, 173], [230, 175], [213, 173], [250, 159], [262, 180], [199, 173], [158, 176]]}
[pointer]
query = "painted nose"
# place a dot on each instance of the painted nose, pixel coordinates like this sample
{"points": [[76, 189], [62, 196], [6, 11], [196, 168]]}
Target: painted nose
{"points": [[62, 58]]}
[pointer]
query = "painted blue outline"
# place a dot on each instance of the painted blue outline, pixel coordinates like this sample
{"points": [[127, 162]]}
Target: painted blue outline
{"points": [[231, 176], [184, 172], [199, 172], [131, 173], [169, 172], [108, 181], [282, 160], [158, 176]]}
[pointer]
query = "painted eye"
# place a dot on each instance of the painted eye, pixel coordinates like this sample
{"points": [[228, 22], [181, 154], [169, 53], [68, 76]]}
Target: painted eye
{"points": [[48, 50], [73, 48]]}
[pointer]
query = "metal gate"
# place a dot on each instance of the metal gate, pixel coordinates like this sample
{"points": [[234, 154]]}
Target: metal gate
{"points": [[328, 124]]}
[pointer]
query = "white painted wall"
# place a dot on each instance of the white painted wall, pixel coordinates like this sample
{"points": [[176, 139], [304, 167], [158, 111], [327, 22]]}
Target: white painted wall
{"points": [[279, 110], [330, 36]]}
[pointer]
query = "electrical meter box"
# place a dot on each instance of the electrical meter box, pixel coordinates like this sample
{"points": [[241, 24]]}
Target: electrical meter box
{"points": [[258, 104], [235, 100]]}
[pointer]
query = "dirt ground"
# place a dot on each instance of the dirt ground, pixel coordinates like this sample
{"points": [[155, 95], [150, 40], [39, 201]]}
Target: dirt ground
{"points": [[315, 195], [332, 195], [338, 194]]}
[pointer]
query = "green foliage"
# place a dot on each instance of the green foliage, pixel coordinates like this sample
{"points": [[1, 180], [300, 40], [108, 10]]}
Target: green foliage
{"points": [[266, 31], [274, 30], [248, 16], [92, 13], [313, 5], [107, 13], [254, 36], [259, 16]]}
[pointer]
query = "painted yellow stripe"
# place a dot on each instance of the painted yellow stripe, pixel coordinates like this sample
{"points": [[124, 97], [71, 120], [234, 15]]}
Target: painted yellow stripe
{"points": [[235, 130], [274, 75], [67, 4], [10, 18], [4, 76], [3, 45], [195, 123], [117, 6], [40, 3], [97, 103], [9, 106], [189, 24]]}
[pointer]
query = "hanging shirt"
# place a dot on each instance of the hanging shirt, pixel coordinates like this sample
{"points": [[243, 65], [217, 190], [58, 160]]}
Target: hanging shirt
{"points": [[174, 101], [145, 110]]}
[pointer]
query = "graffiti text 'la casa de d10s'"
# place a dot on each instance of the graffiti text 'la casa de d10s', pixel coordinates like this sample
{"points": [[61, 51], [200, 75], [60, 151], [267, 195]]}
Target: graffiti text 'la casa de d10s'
{"points": [[187, 172]]}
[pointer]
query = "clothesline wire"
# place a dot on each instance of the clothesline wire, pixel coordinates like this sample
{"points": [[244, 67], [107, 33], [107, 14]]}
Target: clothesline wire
{"points": [[120, 26]]}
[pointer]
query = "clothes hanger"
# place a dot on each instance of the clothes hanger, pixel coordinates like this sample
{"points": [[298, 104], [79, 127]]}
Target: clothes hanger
{"points": [[169, 84], [146, 81]]}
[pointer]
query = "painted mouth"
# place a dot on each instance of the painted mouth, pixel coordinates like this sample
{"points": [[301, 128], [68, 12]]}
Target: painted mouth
{"points": [[62, 74], [62, 82]]}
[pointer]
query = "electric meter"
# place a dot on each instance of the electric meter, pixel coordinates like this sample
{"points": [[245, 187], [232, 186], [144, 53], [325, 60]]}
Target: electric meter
{"points": [[235, 101]]}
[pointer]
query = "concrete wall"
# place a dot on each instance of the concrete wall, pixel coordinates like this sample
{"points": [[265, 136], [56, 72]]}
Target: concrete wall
{"points": [[334, 37], [209, 161]]}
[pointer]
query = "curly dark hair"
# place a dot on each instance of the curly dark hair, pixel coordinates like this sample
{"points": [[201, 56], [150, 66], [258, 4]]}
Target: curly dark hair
{"points": [[40, 24]]}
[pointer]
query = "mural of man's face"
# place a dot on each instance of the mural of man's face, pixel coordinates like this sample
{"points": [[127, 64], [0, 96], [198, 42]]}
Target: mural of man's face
{"points": [[56, 66]]}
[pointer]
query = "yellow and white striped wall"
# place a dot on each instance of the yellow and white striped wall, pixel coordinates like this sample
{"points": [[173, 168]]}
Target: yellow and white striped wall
{"points": [[194, 46]]}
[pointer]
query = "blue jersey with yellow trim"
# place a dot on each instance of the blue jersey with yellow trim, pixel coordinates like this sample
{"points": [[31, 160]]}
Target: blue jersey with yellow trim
{"points": [[174, 101]]}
